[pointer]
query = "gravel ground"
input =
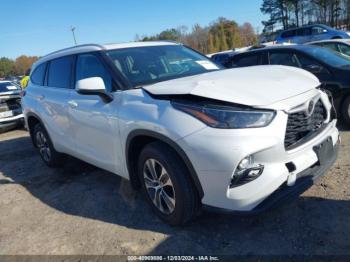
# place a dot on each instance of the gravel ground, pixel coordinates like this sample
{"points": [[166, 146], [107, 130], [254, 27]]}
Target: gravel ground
{"points": [[80, 209]]}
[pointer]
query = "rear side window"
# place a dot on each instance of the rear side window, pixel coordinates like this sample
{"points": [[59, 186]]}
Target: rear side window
{"points": [[60, 71], [287, 59], [88, 65], [38, 76], [289, 33], [304, 31], [251, 60]]}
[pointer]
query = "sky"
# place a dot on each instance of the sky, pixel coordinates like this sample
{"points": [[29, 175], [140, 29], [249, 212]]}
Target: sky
{"points": [[38, 27]]}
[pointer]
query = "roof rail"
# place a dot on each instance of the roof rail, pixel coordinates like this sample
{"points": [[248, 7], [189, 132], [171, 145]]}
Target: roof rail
{"points": [[70, 48]]}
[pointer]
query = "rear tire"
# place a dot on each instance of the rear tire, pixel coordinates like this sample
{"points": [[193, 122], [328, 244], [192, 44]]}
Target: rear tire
{"points": [[46, 150], [345, 111], [167, 185]]}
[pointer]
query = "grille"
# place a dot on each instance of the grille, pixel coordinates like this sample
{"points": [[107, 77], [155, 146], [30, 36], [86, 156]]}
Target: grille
{"points": [[301, 126], [10, 105]]}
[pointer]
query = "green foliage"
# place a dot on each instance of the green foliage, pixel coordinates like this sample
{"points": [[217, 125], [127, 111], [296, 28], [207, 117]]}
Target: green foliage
{"points": [[7, 67], [220, 35], [19, 66]]}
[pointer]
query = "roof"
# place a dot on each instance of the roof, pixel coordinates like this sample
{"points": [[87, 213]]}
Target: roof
{"points": [[346, 41], [306, 26], [96, 47], [282, 47]]}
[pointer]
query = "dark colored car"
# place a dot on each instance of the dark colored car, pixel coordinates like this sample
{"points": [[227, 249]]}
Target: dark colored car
{"points": [[310, 33], [331, 68], [338, 45], [222, 58]]}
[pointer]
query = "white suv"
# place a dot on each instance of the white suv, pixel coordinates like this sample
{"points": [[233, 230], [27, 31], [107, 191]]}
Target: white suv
{"points": [[174, 123]]}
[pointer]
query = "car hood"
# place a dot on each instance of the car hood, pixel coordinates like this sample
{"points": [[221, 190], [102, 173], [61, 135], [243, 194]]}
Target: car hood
{"points": [[9, 95], [253, 86]]}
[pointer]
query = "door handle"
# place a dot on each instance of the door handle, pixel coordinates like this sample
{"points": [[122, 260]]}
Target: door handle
{"points": [[72, 104], [40, 97]]}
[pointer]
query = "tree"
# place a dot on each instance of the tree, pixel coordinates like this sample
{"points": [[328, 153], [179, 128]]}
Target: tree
{"points": [[220, 35], [289, 13], [7, 67], [23, 63], [247, 34]]}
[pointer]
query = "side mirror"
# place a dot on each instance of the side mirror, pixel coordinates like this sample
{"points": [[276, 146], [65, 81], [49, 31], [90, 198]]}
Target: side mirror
{"points": [[315, 69], [324, 31], [93, 86]]}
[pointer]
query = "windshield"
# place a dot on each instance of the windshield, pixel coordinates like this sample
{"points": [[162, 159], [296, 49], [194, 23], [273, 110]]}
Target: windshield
{"points": [[152, 64], [8, 87], [329, 57]]}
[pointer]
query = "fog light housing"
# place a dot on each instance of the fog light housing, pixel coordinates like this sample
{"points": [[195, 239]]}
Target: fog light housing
{"points": [[246, 172]]}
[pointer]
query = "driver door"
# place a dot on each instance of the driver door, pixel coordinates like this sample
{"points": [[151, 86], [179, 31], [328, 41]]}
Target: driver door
{"points": [[93, 121]]}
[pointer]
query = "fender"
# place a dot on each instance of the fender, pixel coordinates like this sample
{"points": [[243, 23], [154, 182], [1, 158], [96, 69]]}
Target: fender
{"points": [[169, 142]]}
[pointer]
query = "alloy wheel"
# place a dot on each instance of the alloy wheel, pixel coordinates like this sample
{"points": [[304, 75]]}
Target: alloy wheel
{"points": [[43, 146], [159, 186]]}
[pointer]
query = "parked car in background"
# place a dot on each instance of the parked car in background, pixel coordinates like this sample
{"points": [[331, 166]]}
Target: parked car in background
{"points": [[339, 45], [14, 79], [190, 134], [332, 69], [224, 58], [10, 105], [310, 33]]}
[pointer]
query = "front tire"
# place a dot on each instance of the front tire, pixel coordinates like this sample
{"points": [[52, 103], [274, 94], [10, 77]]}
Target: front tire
{"points": [[46, 150], [167, 184], [345, 111]]}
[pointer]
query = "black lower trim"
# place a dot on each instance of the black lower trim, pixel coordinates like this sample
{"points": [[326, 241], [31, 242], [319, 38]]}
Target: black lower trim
{"points": [[12, 122], [304, 181]]}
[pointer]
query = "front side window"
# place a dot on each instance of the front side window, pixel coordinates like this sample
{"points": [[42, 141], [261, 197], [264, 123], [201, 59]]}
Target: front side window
{"points": [[152, 64], [328, 57], [60, 71], [88, 65], [38, 76], [317, 30], [287, 59]]}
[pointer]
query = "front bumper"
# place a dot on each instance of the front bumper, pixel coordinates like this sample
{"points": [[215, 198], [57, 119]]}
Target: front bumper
{"points": [[4, 122], [216, 153], [285, 193]]}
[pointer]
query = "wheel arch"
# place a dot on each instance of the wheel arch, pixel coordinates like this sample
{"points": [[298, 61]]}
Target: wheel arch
{"points": [[32, 120], [137, 139]]}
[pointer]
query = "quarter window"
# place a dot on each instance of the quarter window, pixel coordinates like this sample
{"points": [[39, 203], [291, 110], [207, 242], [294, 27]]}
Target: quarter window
{"points": [[88, 65], [38, 76], [60, 71]]}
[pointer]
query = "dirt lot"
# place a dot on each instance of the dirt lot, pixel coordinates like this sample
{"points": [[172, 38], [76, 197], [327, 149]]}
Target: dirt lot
{"points": [[80, 209]]}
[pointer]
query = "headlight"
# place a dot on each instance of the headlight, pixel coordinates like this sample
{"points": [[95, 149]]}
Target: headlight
{"points": [[219, 116]]}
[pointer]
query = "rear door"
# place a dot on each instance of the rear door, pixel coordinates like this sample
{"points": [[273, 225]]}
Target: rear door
{"points": [[53, 100]]}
